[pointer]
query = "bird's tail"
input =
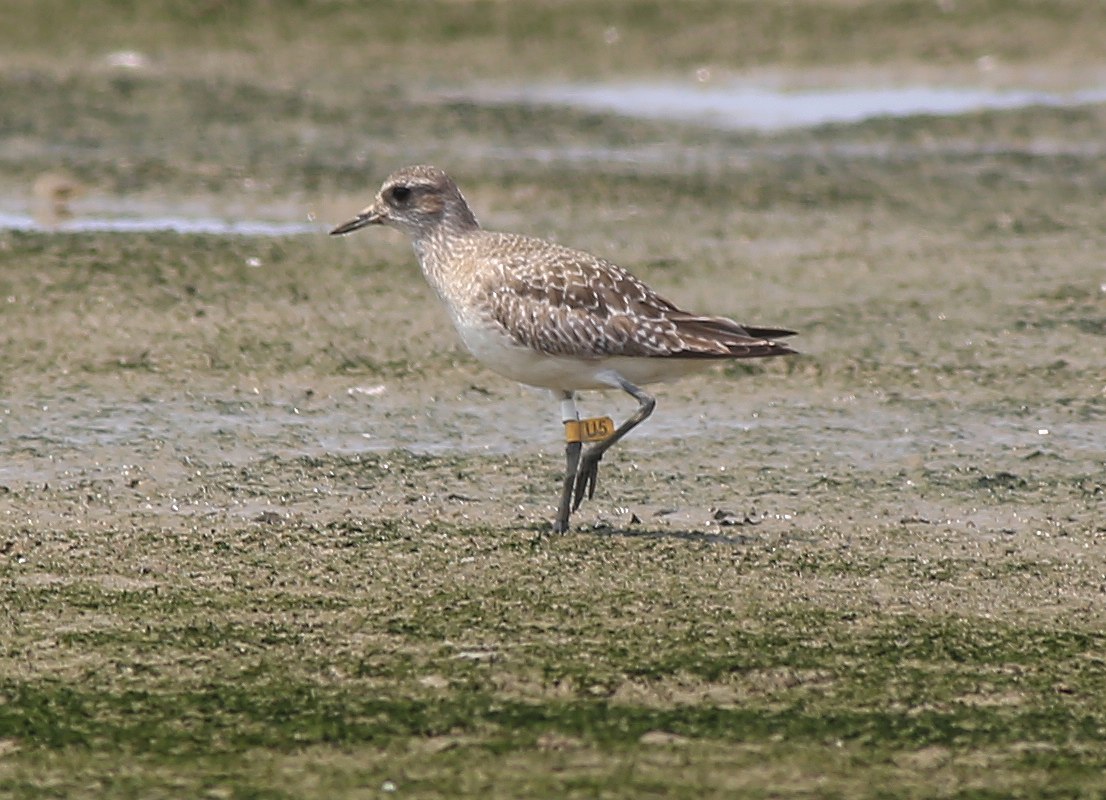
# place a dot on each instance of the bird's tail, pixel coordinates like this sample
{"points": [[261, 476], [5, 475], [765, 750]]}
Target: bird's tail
{"points": [[719, 337]]}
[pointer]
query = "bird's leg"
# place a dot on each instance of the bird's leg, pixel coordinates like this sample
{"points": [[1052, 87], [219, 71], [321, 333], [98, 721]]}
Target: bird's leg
{"points": [[589, 466], [572, 461]]}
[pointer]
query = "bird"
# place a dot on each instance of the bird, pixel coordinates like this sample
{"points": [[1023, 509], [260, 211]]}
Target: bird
{"points": [[552, 317]]}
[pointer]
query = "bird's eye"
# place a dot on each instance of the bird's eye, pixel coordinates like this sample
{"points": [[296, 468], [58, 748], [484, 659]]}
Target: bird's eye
{"points": [[401, 194]]}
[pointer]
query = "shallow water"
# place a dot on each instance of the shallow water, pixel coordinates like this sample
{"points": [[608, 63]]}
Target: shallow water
{"points": [[176, 224], [80, 435], [745, 106]]}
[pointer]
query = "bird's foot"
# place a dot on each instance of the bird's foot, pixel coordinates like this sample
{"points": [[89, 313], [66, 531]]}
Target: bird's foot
{"points": [[586, 478]]}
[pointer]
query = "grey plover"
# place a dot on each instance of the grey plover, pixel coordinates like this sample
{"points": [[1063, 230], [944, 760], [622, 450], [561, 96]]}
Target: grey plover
{"points": [[552, 317]]}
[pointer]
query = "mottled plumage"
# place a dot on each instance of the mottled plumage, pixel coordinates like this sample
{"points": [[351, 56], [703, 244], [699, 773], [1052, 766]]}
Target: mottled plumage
{"points": [[548, 315]]}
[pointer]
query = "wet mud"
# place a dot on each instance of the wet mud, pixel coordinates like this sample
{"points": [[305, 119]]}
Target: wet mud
{"points": [[250, 480]]}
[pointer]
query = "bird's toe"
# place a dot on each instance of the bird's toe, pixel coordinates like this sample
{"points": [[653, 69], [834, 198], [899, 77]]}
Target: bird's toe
{"points": [[586, 479]]}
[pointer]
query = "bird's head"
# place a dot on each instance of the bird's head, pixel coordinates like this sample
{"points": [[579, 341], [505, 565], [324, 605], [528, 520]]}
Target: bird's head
{"points": [[416, 200]]}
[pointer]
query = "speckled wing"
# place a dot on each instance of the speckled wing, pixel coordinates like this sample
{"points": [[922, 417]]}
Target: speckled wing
{"points": [[567, 302]]}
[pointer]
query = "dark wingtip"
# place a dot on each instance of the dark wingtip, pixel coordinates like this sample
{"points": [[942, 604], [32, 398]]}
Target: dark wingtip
{"points": [[768, 333]]}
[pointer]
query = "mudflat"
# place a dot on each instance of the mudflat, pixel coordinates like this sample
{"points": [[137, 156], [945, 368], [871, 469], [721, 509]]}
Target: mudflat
{"points": [[266, 530]]}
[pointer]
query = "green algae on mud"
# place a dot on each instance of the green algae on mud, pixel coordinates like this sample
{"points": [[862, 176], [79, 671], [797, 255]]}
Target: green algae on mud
{"points": [[235, 620], [512, 681], [265, 530], [342, 45], [881, 567]]}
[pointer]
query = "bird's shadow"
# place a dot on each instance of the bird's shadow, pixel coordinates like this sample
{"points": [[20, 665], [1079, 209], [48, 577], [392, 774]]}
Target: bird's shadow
{"points": [[734, 539]]}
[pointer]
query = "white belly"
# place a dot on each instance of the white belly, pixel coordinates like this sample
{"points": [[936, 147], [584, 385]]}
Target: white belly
{"points": [[567, 373]]}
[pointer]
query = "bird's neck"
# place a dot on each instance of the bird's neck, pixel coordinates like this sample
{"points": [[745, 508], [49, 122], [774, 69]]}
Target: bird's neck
{"points": [[441, 252]]}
